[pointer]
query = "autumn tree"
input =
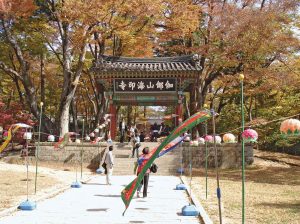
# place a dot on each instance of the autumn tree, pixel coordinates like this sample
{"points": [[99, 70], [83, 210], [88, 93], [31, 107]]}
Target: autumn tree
{"points": [[230, 37], [16, 59]]}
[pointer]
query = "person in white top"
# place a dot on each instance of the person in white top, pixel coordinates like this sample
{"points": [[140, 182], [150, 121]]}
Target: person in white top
{"points": [[109, 161], [136, 144]]}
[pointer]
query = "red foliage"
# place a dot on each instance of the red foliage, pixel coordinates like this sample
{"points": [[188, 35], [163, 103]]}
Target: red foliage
{"points": [[14, 114]]}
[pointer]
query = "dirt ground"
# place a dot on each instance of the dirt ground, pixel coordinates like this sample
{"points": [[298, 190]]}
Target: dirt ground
{"points": [[272, 192], [51, 177]]}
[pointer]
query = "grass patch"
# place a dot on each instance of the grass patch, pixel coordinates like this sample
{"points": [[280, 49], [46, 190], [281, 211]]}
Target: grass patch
{"points": [[272, 194]]}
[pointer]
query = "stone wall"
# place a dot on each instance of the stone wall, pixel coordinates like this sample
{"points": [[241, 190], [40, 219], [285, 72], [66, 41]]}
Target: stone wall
{"points": [[71, 153], [229, 155]]}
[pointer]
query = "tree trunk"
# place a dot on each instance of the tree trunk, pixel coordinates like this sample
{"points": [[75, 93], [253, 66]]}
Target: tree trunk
{"points": [[74, 114], [69, 85]]}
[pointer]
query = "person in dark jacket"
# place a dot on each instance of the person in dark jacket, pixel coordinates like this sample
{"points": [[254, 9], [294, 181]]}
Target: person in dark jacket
{"points": [[123, 130]]}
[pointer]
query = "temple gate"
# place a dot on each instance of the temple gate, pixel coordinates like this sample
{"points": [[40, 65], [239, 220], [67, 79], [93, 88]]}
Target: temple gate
{"points": [[159, 81]]}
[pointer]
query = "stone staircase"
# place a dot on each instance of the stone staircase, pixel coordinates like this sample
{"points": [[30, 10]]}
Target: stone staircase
{"points": [[124, 164]]}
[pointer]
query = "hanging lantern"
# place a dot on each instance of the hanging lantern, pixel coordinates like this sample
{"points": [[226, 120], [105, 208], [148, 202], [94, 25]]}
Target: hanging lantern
{"points": [[229, 138], [249, 135], [27, 136], [96, 130], [77, 141], [209, 138], [194, 143], [201, 141], [87, 138], [290, 127], [51, 138], [92, 135], [218, 139]]}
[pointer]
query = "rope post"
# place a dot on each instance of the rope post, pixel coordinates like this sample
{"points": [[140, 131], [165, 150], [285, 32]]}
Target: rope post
{"points": [[27, 171], [27, 205], [206, 157], [216, 165], [243, 148], [38, 149], [81, 152], [190, 166], [76, 184]]}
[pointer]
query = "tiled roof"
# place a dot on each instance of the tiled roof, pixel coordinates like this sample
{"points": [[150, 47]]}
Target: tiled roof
{"points": [[125, 65]]}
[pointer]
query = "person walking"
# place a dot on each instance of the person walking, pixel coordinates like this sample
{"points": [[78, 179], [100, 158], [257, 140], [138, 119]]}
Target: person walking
{"points": [[143, 159], [123, 130], [136, 144], [155, 130], [109, 161]]}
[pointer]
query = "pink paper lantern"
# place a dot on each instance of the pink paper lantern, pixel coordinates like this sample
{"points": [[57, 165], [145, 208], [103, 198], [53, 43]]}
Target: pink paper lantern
{"points": [[229, 138], [290, 127], [250, 135], [209, 138]]}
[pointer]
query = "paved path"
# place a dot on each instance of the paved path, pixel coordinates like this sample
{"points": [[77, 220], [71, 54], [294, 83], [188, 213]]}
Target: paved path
{"points": [[98, 203]]}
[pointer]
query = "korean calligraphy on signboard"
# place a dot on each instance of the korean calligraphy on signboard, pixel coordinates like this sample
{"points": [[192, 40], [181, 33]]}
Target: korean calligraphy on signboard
{"points": [[145, 85]]}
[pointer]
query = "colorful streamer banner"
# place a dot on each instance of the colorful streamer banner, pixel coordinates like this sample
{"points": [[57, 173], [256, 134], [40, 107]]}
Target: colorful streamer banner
{"points": [[62, 142], [9, 136], [130, 189], [13, 128]]}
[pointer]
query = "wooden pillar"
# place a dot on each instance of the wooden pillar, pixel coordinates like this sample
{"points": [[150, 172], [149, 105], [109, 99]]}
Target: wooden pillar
{"points": [[193, 106], [113, 121], [179, 118]]}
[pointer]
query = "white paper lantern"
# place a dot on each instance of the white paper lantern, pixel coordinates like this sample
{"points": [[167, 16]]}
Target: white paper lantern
{"points": [[51, 138], [108, 120], [187, 139], [87, 138], [218, 139], [194, 143], [201, 141], [77, 141], [96, 130], [27, 136], [92, 134]]}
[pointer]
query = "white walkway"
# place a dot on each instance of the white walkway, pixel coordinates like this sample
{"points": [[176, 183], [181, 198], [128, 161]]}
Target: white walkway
{"points": [[98, 203]]}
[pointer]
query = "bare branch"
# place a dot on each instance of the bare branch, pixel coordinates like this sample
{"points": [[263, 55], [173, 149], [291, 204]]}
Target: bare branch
{"points": [[5, 68]]}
